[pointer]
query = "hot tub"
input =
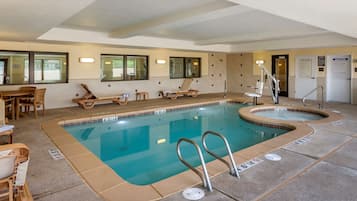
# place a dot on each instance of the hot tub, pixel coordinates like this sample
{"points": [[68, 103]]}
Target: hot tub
{"points": [[284, 113]]}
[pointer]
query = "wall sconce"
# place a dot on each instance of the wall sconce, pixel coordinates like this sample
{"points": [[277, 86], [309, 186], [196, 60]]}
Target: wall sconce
{"points": [[160, 61], [259, 62], [86, 60], [107, 62], [195, 63]]}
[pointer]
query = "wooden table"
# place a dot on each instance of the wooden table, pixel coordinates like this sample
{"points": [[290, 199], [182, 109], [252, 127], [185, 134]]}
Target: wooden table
{"points": [[17, 94]]}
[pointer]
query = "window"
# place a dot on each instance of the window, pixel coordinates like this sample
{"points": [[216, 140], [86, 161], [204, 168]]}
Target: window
{"points": [[13, 67], [185, 67], [50, 68], [124, 67], [18, 67]]}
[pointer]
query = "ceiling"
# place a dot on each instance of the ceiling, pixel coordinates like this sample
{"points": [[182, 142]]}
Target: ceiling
{"points": [[203, 25]]}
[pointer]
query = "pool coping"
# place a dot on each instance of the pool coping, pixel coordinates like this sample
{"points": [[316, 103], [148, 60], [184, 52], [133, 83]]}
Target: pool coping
{"points": [[110, 186]]}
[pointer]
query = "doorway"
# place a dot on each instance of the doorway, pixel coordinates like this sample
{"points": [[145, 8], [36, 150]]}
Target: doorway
{"points": [[338, 78], [305, 73], [280, 68]]}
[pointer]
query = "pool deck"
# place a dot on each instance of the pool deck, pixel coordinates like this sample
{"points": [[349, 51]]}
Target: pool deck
{"points": [[323, 166]]}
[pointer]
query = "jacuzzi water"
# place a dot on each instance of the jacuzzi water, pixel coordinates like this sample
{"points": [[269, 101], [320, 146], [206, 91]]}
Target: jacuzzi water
{"points": [[292, 115], [142, 149]]}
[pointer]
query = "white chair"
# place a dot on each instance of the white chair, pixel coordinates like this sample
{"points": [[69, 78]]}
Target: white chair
{"points": [[7, 164], [5, 129], [14, 160], [258, 92]]}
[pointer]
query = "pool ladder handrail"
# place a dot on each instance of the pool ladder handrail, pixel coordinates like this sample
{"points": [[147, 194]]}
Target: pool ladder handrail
{"points": [[233, 170], [321, 104], [205, 177]]}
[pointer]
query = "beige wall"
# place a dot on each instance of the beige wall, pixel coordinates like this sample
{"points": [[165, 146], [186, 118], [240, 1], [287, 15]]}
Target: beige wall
{"points": [[60, 95], [235, 60], [240, 72], [217, 72], [216, 69]]}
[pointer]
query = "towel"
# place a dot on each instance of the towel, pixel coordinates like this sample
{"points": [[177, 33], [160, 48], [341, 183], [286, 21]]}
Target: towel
{"points": [[6, 128]]}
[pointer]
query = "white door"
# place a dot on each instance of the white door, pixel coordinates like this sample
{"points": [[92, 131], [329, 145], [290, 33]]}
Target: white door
{"points": [[305, 76], [338, 78]]}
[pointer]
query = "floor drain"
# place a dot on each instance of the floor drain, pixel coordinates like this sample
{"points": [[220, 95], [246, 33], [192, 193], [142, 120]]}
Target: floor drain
{"points": [[272, 157], [55, 154], [193, 193]]}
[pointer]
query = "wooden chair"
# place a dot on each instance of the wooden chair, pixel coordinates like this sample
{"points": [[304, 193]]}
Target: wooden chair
{"points": [[10, 107], [36, 102], [14, 160], [5, 130], [31, 89], [28, 88]]}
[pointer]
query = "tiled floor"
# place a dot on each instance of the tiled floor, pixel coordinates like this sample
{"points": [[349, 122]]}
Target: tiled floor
{"points": [[330, 150]]}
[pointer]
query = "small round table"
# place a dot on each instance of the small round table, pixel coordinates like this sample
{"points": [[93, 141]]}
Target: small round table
{"points": [[142, 95]]}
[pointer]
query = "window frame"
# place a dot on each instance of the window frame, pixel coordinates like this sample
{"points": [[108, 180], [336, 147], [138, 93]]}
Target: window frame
{"points": [[32, 71], [125, 76], [18, 51], [31, 61], [185, 67]]}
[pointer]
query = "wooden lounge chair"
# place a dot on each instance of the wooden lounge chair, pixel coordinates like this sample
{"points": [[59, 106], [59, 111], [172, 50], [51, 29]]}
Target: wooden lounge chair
{"points": [[183, 91], [14, 160], [89, 99]]}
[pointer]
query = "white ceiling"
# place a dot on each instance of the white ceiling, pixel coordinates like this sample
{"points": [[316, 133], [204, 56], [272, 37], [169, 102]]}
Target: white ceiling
{"points": [[206, 25]]}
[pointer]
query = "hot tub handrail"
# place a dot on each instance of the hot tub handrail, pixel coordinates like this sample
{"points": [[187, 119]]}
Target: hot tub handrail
{"points": [[321, 104], [232, 166], [205, 177]]}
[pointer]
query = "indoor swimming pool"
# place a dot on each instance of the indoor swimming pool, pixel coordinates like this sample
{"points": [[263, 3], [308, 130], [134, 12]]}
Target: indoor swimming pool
{"points": [[142, 149]]}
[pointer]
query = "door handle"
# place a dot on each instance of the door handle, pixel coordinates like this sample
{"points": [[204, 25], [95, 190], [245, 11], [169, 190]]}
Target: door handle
{"points": [[313, 78], [348, 78]]}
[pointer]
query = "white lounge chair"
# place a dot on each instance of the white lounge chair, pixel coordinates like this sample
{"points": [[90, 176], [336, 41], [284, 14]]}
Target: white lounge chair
{"points": [[258, 92]]}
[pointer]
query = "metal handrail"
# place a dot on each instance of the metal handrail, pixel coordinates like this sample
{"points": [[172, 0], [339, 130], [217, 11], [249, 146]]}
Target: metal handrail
{"points": [[205, 178], [273, 90], [321, 105], [232, 166]]}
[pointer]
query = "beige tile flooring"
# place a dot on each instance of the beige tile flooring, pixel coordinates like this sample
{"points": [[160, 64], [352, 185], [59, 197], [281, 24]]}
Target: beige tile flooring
{"points": [[110, 186], [46, 185]]}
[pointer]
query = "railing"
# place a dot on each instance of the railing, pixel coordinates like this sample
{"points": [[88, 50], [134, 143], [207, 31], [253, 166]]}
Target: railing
{"points": [[272, 79], [205, 177], [232, 166], [321, 104]]}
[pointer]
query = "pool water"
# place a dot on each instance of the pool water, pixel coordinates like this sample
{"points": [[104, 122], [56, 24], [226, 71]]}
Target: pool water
{"points": [[290, 115], [142, 149]]}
